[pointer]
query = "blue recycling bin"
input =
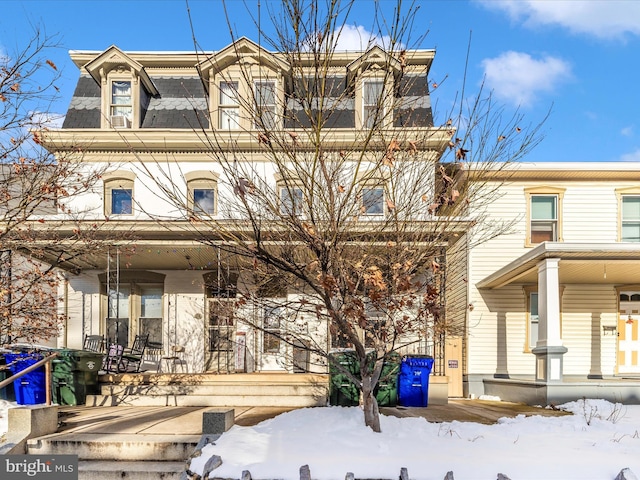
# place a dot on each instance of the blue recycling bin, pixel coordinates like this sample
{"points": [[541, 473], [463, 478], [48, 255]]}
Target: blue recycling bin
{"points": [[31, 388], [413, 381]]}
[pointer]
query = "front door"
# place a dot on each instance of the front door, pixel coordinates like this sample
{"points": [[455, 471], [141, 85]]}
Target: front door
{"points": [[273, 348], [628, 341], [221, 335]]}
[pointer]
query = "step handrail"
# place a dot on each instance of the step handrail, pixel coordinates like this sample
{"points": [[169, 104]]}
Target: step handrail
{"points": [[47, 369]]}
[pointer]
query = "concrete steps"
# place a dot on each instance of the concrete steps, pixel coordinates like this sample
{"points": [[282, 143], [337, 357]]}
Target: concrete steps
{"points": [[117, 456], [211, 390]]}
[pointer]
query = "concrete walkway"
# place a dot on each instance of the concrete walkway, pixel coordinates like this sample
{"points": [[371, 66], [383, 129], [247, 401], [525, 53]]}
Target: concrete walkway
{"points": [[188, 420]]}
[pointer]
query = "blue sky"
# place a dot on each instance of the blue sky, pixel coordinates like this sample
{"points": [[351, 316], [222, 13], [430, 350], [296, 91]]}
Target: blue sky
{"points": [[581, 59]]}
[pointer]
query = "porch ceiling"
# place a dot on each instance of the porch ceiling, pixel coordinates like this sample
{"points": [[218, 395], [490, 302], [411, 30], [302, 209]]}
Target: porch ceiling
{"points": [[580, 263]]}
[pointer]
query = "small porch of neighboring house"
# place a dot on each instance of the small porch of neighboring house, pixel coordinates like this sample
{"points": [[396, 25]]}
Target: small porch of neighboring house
{"points": [[580, 320]]}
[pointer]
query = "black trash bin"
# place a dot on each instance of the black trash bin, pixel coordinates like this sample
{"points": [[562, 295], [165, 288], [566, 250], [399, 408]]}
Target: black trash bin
{"points": [[413, 381], [31, 388], [342, 391], [74, 376]]}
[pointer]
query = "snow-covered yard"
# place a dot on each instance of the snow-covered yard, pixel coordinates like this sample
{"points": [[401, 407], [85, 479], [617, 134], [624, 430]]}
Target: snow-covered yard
{"points": [[598, 441]]}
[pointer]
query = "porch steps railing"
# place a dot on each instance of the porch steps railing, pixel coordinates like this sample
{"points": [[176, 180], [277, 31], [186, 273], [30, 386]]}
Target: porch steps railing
{"points": [[212, 390]]}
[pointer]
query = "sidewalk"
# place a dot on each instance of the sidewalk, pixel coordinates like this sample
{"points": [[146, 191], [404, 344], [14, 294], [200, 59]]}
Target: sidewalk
{"points": [[188, 420]]}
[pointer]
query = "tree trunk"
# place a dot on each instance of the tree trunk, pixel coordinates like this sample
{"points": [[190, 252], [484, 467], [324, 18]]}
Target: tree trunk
{"points": [[370, 406]]}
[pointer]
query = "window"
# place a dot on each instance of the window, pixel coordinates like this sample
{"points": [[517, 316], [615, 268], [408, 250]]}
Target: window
{"points": [[203, 200], [372, 201], [118, 314], [265, 92], [202, 192], [118, 193], [121, 201], [544, 214], [121, 104], [151, 314], [291, 200], [372, 103], [229, 106], [532, 328], [544, 218], [630, 231], [272, 324]]}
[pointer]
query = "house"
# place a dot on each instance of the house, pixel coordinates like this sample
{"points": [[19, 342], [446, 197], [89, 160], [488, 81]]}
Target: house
{"points": [[554, 306], [141, 117]]}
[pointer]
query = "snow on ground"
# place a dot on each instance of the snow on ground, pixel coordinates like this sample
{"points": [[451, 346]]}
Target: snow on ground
{"points": [[596, 442]]}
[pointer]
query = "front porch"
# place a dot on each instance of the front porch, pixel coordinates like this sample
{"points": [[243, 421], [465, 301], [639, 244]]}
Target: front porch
{"points": [[530, 391]]}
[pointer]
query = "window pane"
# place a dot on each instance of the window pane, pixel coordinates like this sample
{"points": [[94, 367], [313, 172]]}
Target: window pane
{"points": [[373, 201], [153, 328], [631, 232], [229, 118], [543, 207], [265, 93], [151, 302], [228, 93], [121, 201], [290, 200], [121, 89], [118, 300], [203, 200], [372, 92], [631, 208], [543, 232]]}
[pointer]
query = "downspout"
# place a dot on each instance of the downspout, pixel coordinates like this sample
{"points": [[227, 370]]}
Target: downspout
{"points": [[66, 313]]}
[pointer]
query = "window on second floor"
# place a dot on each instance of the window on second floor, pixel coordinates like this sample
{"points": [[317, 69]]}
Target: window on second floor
{"points": [[544, 214], [121, 105], [202, 192], [630, 221], [372, 201], [118, 192], [265, 96], [544, 218], [291, 199], [229, 106]]}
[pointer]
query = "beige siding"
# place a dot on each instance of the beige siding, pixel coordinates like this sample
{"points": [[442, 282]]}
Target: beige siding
{"points": [[590, 214]]}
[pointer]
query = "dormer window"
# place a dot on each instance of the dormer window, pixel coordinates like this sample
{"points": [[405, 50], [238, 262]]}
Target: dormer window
{"points": [[121, 104], [372, 103], [229, 106], [265, 96]]}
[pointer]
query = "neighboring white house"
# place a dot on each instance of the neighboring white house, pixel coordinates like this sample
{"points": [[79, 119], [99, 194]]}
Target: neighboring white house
{"points": [[555, 306]]}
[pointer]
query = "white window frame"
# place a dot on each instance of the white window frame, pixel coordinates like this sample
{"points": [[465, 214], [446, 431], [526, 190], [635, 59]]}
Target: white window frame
{"points": [[227, 104], [626, 221], [260, 120], [120, 119], [556, 223], [366, 210]]}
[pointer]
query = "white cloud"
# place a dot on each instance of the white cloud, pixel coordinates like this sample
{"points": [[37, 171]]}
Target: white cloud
{"points": [[47, 120], [600, 18], [631, 157], [359, 38], [627, 131], [518, 78]]}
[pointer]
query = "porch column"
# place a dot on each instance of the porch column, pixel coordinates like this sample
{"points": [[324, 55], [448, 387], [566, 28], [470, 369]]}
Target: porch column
{"points": [[549, 350]]}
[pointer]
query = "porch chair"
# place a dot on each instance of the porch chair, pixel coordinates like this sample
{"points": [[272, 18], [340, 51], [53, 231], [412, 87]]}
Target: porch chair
{"points": [[174, 359], [112, 362], [93, 343], [132, 357]]}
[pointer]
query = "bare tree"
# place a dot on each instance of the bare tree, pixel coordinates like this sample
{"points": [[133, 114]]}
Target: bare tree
{"points": [[345, 236], [35, 189]]}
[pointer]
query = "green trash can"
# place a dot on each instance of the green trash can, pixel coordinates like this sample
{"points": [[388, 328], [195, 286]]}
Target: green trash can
{"points": [[342, 391], [386, 391], [74, 376]]}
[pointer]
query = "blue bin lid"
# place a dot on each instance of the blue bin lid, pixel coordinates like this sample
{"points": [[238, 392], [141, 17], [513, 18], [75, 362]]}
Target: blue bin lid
{"points": [[418, 361]]}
